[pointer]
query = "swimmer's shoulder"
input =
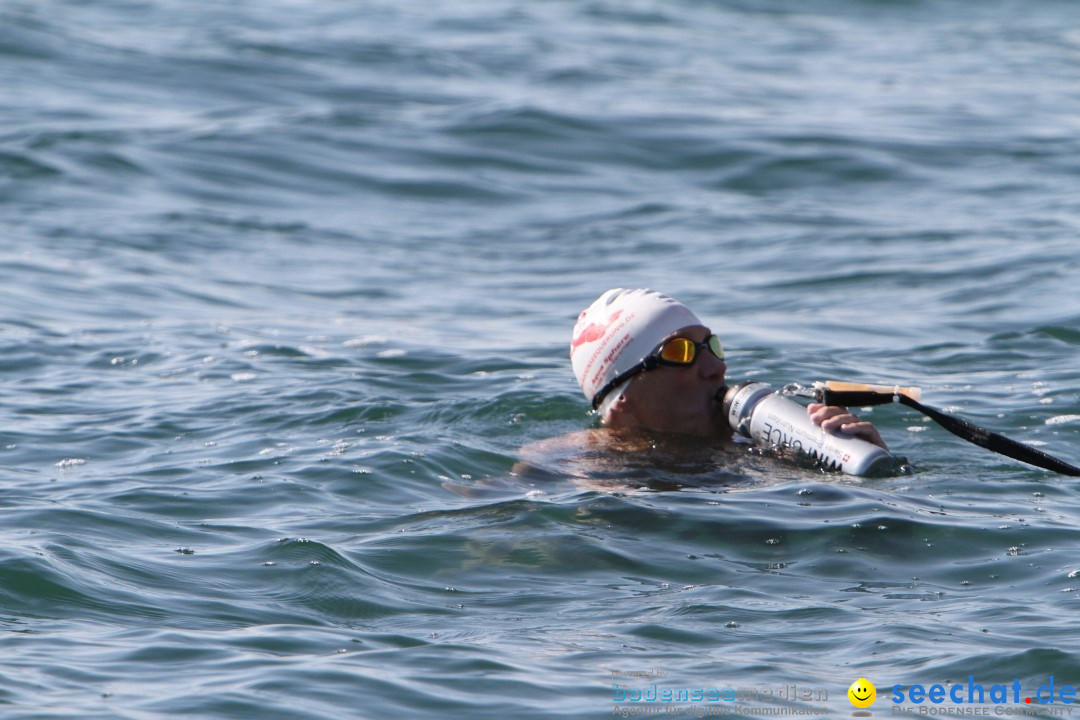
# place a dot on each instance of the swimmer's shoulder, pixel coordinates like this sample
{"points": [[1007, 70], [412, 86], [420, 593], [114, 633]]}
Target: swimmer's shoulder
{"points": [[546, 458], [574, 444]]}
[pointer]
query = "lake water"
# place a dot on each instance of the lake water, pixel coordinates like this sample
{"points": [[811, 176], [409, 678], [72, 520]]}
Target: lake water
{"points": [[287, 285]]}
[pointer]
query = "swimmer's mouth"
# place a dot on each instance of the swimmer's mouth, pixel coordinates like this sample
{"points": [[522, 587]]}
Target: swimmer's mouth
{"points": [[720, 393]]}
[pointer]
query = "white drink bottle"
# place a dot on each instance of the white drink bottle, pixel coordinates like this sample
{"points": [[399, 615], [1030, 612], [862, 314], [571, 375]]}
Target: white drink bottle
{"points": [[756, 411]]}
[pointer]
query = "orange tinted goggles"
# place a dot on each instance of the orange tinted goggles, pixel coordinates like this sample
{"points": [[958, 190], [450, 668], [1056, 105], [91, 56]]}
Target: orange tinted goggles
{"points": [[684, 351]]}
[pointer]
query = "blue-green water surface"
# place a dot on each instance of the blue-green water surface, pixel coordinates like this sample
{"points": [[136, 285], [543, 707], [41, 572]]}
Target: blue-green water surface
{"points": [[287, 285]]}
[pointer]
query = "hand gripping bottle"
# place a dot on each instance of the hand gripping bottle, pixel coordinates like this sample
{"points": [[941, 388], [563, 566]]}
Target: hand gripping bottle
{"points": [[758, 412]]}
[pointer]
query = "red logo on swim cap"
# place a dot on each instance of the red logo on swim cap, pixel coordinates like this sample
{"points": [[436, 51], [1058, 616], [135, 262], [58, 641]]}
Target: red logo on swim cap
{"points": [[593, 331]]}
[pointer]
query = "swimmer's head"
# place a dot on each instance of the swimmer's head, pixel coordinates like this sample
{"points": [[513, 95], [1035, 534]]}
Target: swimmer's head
{"points": [[617, 331]]}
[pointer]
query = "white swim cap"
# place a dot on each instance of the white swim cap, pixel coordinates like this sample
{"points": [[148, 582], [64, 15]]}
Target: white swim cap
{"points": [[618, 330]]}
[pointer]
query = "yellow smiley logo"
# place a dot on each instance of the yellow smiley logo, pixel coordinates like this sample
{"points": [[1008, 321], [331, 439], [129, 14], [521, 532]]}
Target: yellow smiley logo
{"points": [[862, 693]]}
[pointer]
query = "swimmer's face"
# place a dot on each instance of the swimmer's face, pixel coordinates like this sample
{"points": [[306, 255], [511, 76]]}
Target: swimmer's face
{"points": [[677, 399], [862, 693]]}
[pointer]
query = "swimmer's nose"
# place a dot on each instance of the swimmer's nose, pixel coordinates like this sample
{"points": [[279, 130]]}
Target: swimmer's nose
{"points": [[712, 367]]}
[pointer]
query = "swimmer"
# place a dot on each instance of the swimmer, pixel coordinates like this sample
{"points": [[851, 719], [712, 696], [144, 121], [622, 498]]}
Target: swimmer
{"points": [[652, 371], [646, 362]]}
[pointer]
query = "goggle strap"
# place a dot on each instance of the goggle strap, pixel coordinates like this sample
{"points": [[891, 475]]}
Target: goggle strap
{"points": [[618, 380]]}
